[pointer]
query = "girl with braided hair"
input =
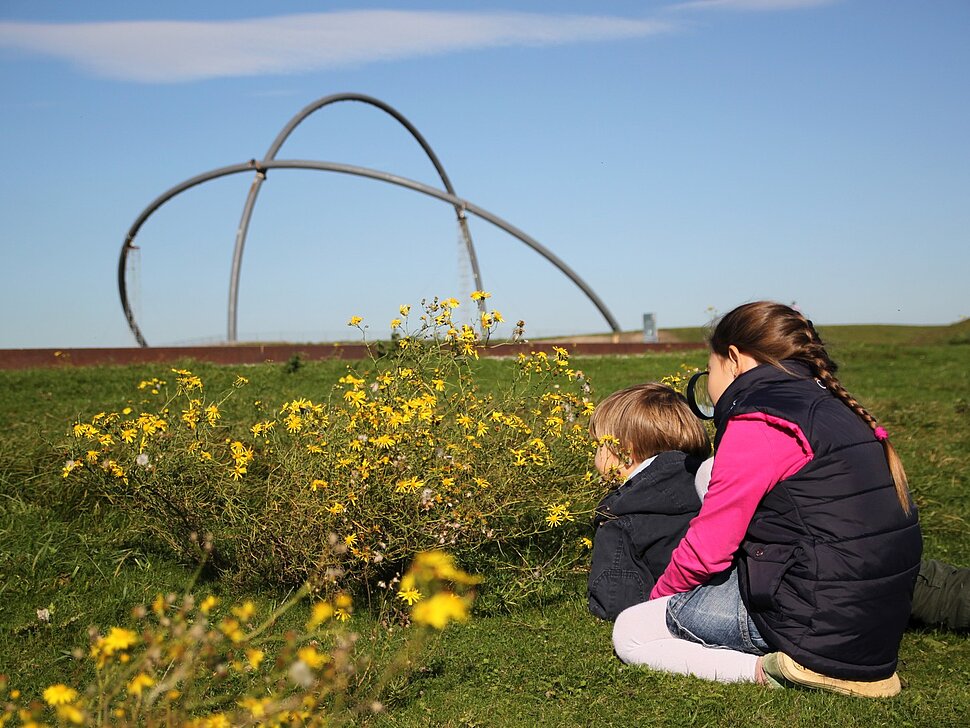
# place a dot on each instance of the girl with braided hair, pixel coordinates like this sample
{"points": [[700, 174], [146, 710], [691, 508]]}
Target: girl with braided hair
{"points": [[799, 567]]}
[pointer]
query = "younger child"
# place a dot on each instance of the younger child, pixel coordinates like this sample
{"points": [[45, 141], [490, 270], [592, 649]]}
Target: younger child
{"points": [[655, 444]]}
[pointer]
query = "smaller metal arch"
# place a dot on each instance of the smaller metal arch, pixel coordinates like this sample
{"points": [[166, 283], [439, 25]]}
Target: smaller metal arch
{"points": [[243, 229], [343, 169]]}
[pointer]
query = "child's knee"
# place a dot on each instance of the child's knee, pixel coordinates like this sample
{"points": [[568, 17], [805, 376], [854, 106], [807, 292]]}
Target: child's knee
{"points": [[638, 625], [624, 635]]}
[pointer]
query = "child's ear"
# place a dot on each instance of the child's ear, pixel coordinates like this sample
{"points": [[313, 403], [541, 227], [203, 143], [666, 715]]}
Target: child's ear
{"points": [[734, 356]]}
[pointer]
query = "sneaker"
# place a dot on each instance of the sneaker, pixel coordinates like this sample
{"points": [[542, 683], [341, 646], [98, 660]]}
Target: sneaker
{"points": [[782, 669]]}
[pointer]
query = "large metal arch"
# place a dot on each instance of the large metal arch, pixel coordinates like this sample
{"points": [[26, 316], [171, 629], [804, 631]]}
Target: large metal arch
{"points": [[262, 167], [271, 153]]}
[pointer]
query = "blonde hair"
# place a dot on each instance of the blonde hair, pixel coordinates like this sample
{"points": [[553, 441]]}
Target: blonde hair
{"points": [[770, 332], [648, 419]]}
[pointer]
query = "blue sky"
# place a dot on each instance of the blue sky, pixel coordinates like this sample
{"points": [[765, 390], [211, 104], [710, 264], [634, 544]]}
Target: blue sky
{"points": [[679, 156]]}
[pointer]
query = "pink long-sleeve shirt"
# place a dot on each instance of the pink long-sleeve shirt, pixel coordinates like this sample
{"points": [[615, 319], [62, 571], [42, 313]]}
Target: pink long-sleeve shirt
{"points": [[756, 452]]}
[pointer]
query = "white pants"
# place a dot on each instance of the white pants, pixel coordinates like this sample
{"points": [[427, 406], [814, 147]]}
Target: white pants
{"points": [[641, 637]]}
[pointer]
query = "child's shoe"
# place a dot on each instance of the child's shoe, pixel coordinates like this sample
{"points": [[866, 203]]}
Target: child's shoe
{"points": [[782, 669]]}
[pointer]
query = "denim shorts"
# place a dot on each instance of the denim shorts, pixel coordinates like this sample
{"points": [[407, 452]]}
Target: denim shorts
{"points": [[713, 615]]}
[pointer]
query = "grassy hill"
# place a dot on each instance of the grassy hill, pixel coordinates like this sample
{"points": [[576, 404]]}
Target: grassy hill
{"points": [[840, 335]]}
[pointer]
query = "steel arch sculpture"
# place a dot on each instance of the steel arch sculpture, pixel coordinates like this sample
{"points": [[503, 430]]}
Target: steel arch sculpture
{"points": [[274, 150], [460, 205]]}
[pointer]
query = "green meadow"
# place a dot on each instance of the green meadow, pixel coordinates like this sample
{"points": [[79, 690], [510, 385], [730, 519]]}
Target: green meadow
{"points": [[543, 662]]}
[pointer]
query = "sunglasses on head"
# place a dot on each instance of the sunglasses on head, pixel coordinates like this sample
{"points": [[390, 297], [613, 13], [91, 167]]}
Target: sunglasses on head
{"points": [[698, 397]]}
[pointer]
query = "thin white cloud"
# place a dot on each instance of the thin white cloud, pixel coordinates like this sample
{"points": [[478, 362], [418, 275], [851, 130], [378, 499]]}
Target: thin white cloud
{"points": [[753, 5], [174, 51]]}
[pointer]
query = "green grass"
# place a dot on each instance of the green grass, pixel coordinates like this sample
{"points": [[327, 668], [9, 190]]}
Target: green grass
{"points": [[881, 334], [548, 663]]}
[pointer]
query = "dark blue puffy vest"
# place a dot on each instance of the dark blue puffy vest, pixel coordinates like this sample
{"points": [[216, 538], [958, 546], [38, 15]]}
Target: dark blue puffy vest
{"points": [[828, 563]]}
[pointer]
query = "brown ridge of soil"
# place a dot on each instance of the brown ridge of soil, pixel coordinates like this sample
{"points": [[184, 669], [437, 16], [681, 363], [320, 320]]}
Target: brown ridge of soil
{"points": [[627, 344]]}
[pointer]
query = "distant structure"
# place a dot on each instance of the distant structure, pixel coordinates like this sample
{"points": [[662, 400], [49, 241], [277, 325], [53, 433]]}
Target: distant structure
{"points": [[650, 334], [270, 161]]}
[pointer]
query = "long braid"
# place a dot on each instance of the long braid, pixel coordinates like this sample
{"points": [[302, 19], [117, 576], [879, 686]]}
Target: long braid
{"points": [[824, 368]]}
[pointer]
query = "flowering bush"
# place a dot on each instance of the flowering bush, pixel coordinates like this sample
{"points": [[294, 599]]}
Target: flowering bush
{"points": [[194, 663], [408, 454]]}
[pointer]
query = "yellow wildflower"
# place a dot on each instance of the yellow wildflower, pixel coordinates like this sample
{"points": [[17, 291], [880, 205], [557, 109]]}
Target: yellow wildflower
{"points": [[320, 613], [191, 416], [261, 427], [60, 694], [384, 441], [312, 658], [240, 453], [440, 609], [354, 321], [255, 657], [408, 485], [255, 706], [293, 422], [114, 468], [480, 295], [187, 380], [410, 595], [405, 310], [115, 642], [139, 683], [208, 604], [84, 430], [557, 514], [245, 611], [67, 714], [318, 483], [395, 323], [231, 629], [429, 565]]}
